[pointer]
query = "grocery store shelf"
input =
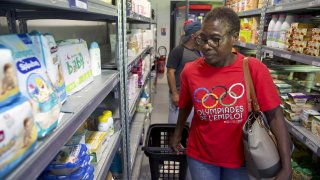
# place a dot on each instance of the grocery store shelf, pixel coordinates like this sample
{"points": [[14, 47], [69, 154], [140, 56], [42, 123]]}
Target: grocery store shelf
{"points": [[135, 135], [132, 60], [47, 9], [133, 103], [305, 136], [133, 17], [137, 165], [302, 58], [303, 5], [80, 106], [246, 45], [252, 12], [102, 168]]}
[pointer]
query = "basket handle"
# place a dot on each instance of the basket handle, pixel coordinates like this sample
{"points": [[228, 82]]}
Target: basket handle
{"points": [[159, 149]]}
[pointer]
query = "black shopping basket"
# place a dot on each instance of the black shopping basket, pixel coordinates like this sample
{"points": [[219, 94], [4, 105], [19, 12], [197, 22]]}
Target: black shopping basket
{"points": [[164, 163]]}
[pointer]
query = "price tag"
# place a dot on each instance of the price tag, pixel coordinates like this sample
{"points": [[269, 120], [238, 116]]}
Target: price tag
{"points": [[79, 4], [278, 8], [268, 53], [297, 133], [316, 63], [287, 56], [242, 44], [312, 145]]}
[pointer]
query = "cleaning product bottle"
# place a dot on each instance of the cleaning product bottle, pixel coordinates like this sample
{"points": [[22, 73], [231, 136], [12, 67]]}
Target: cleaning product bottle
{"points": [[270, 29], [108, 115], [276, 31], [283, 30], [95, 58]]}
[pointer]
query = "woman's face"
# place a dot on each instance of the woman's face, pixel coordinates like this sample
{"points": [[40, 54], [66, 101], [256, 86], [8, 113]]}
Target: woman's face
{"points": [[218, 42]]}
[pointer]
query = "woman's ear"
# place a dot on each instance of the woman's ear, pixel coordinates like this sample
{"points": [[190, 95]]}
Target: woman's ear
{"points": [[235, 37]]}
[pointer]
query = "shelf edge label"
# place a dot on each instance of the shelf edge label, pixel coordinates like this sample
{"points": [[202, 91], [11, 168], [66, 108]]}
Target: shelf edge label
{"points": [[287, 56], [278, 8], [312, 145], [78, 4]]}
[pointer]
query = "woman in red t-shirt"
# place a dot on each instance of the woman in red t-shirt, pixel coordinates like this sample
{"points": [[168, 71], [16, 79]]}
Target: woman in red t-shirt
{"points": [[214, 85]]}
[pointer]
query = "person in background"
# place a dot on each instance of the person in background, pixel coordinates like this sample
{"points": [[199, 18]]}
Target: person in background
{"points": [[214, 85], [183, 33], [178, 57]]}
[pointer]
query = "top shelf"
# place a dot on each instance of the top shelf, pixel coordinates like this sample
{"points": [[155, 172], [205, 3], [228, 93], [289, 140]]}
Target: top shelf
{"points": [[136, 18], [303, 5], [253, 12], [71, 9]]}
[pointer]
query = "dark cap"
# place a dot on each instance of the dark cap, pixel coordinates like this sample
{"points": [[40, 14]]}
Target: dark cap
{"points": [[190, 29]]}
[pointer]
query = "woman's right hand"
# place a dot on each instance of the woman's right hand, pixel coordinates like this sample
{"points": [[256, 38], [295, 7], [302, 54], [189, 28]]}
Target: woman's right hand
{"points": [[175, 144]]}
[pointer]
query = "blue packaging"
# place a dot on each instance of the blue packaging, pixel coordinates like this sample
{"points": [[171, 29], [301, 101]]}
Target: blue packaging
{"points": [[68, 160]]}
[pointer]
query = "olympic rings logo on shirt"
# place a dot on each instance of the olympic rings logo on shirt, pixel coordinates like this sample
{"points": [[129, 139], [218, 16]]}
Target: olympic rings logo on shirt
{"points": [[217, 99]]}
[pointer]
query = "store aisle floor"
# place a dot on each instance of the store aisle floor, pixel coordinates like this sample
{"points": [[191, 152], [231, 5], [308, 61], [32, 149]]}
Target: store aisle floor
{"points": [[159, 115]]}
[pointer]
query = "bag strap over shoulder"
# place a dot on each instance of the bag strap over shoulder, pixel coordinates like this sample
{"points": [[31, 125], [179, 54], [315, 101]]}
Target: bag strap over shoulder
{"points": [[251, 94]]}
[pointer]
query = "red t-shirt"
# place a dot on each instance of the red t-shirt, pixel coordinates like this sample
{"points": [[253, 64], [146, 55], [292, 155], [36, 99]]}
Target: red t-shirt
{"points": [[220, 108]]}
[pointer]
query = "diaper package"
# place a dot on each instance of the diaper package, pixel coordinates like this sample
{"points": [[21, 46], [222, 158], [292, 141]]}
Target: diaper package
{"points": [[9, 88], [76, 64], [47, 50], [34, 82], [18, 134]]}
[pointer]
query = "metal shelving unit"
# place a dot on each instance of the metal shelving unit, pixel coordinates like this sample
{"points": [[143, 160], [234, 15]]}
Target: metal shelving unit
{"points": [[141, 55], [136, 18], [253, 12], [305, 136], [79, 106], [302, 58], [101, 170], [135, 135], [246, 45]]}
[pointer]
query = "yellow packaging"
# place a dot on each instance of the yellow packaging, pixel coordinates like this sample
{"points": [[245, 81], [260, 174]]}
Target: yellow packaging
{"points": [[261, 3], [291, 116], [313, 45], [245, 36], [302, 25], [315, 32], [93, 145], [254, 37], [307, 117], [297, 37], [315, 128], [297, 108], [247, 23], [302, 44], [297, 49], [251, 4], [313, 52], [96, 135], [316, 38], [303, 31]]}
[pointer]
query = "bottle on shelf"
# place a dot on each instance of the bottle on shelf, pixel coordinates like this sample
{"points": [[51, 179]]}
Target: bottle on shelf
{"points": [[95, 58], [276, 31], [283, 30], [271, 28]]}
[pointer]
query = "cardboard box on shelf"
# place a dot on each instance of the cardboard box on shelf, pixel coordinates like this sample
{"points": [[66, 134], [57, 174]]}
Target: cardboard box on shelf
{"points": [[302, 25], [315, 32], [302, 44], [313, 52], [313, 45], [316, 38], [303, 31], [245, 36], [315, 127], [297, 37], [251, 4]]}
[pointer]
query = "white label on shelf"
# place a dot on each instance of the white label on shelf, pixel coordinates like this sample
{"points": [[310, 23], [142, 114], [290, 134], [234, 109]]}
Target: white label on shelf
{"points": [[242, 44], [316, 63], [81, 4], [270, 53], [297, 133], [312, 145], [278, 8], [287, 56]]}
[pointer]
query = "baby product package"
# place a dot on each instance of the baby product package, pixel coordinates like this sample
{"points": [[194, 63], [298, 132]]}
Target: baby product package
{"points": [[18, 134], [76, 64], [9, 88], [46, 49], [34, 82]]}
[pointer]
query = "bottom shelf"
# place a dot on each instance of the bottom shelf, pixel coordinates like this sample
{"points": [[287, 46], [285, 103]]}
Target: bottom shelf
{"points": [[137, 165], [305, 136], [102, 168], [135, 135]]}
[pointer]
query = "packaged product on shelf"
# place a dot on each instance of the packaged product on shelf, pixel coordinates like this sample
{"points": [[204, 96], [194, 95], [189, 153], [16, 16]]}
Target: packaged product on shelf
{"points": [[34, 82], [297, 107], [97, 142], [306, 117], [291, 116], [251, 4], [297, 49], [300, 38], [302, 44], [297, 25], [83, 172], [133, 48], [76, 64], [315, 32], [9, 89], [68, 160], [271, 29], [314, 45], [303, 31], [47, 50], [245, 36], [316, 38], [313, 52], [78, 137], [283, 30], [277, 31], [315, 127], [18, 134], [95, 58]]}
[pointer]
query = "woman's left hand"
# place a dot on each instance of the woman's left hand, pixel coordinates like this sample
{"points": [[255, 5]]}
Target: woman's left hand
{"points": [[284, 174]]}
